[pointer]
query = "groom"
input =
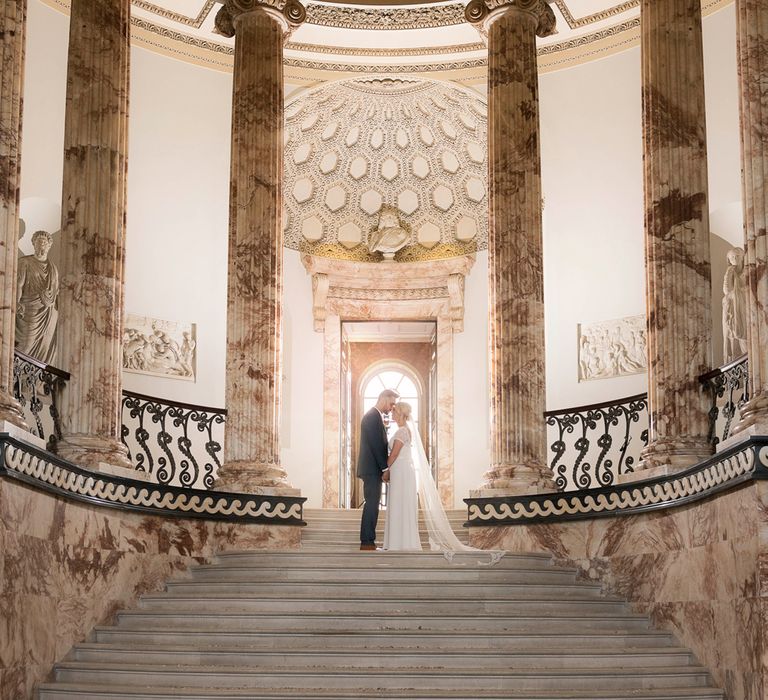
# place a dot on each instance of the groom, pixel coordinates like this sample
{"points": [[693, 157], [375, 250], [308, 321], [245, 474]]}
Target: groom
{"points": [[372, 462]]}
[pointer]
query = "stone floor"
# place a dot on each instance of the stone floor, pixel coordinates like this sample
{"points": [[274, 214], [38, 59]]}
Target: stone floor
{"points": [[329, 621]]}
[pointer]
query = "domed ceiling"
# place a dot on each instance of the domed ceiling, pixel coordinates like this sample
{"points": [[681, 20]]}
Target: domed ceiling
{"points": [[355, 146], [387, 37]]}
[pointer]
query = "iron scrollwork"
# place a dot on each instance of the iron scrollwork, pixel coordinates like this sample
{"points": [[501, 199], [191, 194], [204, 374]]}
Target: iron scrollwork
{"points": [[595, 444], [176, 444], [36, 386], [729, 389]]}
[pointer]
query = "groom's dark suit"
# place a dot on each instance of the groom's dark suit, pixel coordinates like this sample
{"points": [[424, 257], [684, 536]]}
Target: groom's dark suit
{"points": [[370, 464]]}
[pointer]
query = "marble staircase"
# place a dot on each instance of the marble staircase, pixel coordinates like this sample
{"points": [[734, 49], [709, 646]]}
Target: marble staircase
{"points": [[329, 621]]}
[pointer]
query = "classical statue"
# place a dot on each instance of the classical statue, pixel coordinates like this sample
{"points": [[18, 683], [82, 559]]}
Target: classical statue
{"points": [[734, 307], [37, 290], [390, 236]]}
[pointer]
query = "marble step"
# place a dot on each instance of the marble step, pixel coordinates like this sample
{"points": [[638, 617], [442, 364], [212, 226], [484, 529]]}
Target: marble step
{"points": [[112, 691], [367, 590], [363, 560], [368, 680], [327, 658], [349, 606], [385, 642], [322, 622], [437, 576]]}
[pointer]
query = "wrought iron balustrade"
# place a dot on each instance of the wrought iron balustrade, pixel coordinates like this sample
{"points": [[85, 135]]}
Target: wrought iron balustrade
{"points": [[177, 444], [36, 386], [728, 387], [590, 446]]}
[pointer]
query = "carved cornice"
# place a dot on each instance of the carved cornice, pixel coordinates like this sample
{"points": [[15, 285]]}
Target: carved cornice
{"points": [[341, 285], [292, 12], [480, 12]]}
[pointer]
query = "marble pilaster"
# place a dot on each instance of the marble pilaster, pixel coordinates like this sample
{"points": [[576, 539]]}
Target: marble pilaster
{"points": [[255, 279], [93, 231], [676, 234], [515, 261], [752, 26], [12, 33]]}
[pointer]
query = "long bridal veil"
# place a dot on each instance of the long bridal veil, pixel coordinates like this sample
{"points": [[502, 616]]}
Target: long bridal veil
{"points": [[441, 535]]}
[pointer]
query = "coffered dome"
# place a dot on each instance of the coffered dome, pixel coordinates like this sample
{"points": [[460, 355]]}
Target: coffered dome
{"points": [[356, 145]]}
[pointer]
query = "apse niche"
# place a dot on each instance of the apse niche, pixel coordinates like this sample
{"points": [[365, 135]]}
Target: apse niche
{"points": [[402, 152]]}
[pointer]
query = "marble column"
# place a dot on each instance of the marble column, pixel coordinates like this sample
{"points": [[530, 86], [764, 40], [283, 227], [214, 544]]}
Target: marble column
{"points": [[516, 290], [678, 288], [12, 30], [752, 23], [93, 231], [255, 281]]}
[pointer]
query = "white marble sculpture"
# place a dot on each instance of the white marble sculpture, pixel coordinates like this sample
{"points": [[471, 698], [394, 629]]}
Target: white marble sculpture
{"points": [[390, 236], [37, 291], [734, 307], [612, 348], [161, 348]]}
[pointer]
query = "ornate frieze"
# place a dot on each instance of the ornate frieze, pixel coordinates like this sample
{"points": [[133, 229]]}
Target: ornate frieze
{"points": [[612, 348], [160, 348]]}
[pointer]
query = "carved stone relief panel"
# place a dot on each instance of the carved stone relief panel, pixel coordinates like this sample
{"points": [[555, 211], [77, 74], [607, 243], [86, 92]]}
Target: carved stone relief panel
{"points": [[612, 348], [160, 348]]}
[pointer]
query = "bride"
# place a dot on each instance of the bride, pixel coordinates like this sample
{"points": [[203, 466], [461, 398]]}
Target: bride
{"points": [[408, 474]]}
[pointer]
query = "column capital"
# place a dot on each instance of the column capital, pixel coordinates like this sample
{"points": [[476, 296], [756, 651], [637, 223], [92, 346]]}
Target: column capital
{"points": [[482, 13], [291, 13]]}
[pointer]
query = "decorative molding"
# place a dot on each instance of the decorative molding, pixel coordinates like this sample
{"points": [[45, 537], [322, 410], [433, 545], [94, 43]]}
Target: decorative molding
{"points": [[50, 473], [738, 465], [574, 23], [194, 22], [385, 53], [388, 294]]}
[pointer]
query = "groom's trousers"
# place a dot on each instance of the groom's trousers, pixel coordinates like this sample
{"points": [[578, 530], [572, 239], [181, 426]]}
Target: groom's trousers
{"points": [[372, 495]]}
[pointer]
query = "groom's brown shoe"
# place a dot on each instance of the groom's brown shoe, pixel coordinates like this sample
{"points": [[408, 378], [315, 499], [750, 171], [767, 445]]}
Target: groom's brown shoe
{"points": [[367, 547]]}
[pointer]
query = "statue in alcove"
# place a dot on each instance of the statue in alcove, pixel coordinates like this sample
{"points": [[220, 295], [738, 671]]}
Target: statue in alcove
{"points": [[389, 236], [37, 291], [734, 307]]}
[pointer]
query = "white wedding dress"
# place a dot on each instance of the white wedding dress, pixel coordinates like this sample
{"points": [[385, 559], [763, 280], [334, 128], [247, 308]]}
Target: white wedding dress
{"points": [[401, 531]]}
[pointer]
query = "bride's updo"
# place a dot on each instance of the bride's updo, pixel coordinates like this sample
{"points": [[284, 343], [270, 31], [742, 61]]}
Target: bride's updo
{"points": [[404, 409]]}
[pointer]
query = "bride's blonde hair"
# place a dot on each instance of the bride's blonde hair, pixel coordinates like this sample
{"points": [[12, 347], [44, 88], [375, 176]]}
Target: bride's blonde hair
{"points": [[404, 409]]}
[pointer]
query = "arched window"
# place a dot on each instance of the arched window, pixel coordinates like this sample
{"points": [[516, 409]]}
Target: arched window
{"points": [[392, 378]]}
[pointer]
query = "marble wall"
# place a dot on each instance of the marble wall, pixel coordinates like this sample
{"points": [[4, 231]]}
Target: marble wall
{"points": [[66, 567], [700, 571]]}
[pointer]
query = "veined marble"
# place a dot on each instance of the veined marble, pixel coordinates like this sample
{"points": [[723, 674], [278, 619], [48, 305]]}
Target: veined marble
{"points": [[255, 279], [753, 77], [515, 257], [66, 567], [13, 15], [93, 237], [387, 291], [678, 287], [699, 571]]}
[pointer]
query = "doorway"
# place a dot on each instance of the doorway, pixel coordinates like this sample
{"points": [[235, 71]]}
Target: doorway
{"points": [[385, 355]]}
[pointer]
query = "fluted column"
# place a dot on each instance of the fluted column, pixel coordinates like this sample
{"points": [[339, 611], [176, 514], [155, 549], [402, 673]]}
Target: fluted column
{"points": [[12, 30], [255, 282], [676, 232], [752, 23], [516, 290], [93, 231]]}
